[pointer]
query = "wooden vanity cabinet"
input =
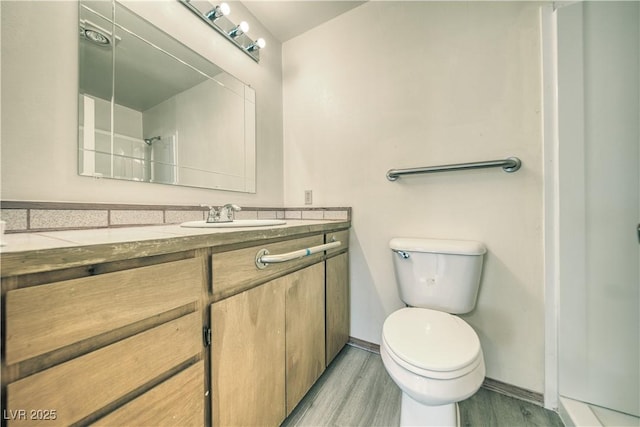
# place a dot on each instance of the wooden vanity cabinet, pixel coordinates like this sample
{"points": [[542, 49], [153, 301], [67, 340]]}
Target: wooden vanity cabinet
{"points": [[120, 347], [120, 342], [269, 342]]}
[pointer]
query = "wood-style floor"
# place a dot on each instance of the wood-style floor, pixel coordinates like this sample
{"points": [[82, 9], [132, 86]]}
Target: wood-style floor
{"points": [[357, 391]]}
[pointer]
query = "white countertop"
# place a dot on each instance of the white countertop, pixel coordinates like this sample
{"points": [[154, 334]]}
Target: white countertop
{"points": [[23, 242]]}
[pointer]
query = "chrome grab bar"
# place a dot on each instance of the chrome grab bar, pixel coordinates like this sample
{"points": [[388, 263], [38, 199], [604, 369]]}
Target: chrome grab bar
{"points": [[510, 164], [263, 259]]}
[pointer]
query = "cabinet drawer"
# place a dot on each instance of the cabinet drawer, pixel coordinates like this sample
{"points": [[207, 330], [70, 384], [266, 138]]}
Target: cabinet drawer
{"points": [[236, 271], [339, 236], [80, 387], [179, 401], [43, 318]]}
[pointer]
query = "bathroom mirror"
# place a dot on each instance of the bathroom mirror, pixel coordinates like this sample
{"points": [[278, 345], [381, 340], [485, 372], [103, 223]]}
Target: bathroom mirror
{"points": [[153, 110]]}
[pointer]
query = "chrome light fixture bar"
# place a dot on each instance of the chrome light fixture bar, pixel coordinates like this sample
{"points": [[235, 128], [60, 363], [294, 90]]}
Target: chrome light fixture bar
{"points": [[216, 17]]}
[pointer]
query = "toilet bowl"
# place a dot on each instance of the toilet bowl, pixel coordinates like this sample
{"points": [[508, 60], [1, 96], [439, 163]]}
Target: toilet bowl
{"points": [[436, 360], [434, 356]]}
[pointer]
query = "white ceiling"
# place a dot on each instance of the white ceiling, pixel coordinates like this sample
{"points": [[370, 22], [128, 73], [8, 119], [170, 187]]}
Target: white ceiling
{"points": [[288, 19]]}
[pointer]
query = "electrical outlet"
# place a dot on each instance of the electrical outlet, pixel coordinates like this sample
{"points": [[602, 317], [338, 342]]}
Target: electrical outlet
{"points": [[308, 197]]}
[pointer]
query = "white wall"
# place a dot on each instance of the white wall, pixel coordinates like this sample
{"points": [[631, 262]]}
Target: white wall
{"points": [[40, 105], [403, 84]]}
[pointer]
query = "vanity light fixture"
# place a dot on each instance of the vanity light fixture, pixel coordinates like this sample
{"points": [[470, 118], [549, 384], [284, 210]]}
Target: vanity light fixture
{"points": [[215, 15], [241, 28], [219, 11]]}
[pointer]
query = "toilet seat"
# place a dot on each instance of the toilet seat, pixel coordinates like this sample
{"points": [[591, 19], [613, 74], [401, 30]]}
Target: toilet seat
{"points": [[431, 343]]}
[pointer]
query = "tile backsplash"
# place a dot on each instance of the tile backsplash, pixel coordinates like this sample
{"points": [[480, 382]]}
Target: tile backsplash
{"points": [[47, 216]]}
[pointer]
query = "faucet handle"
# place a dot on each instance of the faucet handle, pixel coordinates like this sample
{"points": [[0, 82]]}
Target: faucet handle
{"points": [[228, 211], [232, 207], [214, 214]]}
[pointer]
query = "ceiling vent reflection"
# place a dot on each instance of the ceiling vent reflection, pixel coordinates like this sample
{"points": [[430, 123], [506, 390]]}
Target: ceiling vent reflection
{"points": [[95, 34]]}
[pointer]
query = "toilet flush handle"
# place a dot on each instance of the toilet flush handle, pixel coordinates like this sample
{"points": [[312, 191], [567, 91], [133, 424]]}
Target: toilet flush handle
{"points": [[402, 254]]}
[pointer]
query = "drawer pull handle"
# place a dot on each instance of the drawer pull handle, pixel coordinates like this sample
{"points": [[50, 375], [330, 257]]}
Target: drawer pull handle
{"points": [[263, 259]]}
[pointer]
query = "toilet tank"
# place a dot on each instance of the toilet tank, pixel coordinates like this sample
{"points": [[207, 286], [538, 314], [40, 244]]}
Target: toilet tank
{"points": [[442, 275]]}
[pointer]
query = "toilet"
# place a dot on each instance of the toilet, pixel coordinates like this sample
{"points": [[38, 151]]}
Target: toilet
{"points": [[430, 353]]}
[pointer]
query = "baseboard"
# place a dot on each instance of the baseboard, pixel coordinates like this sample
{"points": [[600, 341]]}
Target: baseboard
{"points": [[364, 345], [513, 391], [489, 384]]}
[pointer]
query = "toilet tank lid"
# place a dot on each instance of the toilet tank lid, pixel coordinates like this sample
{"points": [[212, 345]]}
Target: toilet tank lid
{"points": [[440, 246]]}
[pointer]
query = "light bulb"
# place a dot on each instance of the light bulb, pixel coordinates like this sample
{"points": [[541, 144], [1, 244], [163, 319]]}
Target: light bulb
{"points": [[243, 27], [220, 10]]}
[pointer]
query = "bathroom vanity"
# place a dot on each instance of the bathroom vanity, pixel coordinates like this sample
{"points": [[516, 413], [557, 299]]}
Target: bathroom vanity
{"points": [[166, 325]]}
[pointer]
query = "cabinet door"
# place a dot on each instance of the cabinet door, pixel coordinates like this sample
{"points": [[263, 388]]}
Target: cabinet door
{"points": [[305, 346], [248, 351], [337, 289]]}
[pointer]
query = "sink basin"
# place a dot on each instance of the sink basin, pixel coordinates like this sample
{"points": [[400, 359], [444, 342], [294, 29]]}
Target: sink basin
{"points": [[234, 224]]}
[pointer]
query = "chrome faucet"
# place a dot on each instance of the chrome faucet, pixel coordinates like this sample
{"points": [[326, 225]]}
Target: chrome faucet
{"points": [[223, 213]]}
